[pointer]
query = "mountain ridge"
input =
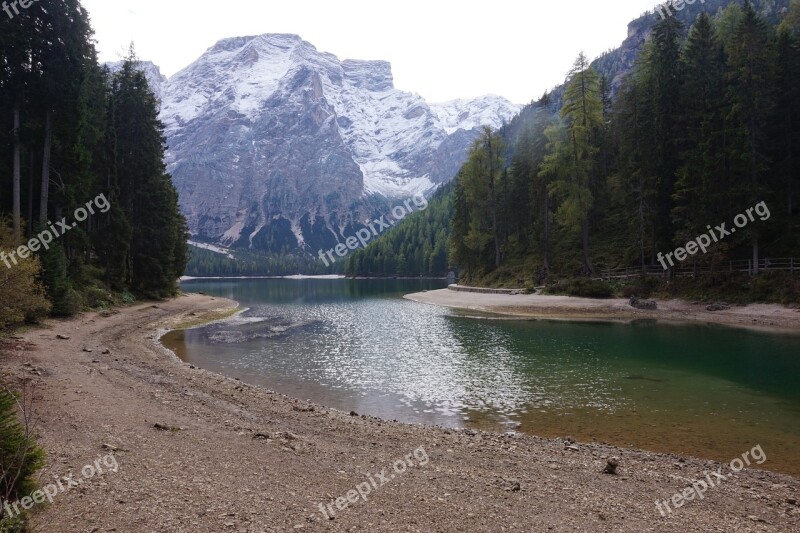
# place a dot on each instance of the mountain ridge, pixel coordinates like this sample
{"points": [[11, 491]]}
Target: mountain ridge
{"points": [[275, 146]]}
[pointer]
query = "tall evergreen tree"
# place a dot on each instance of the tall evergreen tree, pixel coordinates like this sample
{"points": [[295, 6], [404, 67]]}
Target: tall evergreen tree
{"points": [[751, 97], [702, 178], [636, 182], [785, 129], [582, 113], [146, 194], [459, 251], [481, 179], [666, 138]]}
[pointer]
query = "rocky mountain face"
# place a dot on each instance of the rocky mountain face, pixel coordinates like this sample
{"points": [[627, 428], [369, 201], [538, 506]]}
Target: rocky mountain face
{"points": [[275, 146], [618, 63]]}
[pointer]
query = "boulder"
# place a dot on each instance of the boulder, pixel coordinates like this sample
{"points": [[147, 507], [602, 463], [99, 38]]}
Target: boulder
{"points": [[640, 303]]}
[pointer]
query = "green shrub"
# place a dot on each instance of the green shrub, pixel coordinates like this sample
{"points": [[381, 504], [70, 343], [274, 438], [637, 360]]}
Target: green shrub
{"points": [[20, 457], [96, 297], [583, 287], [128, 298], [777, 287], [13, 525], [22, 296], [70, 305], [640, 287]]}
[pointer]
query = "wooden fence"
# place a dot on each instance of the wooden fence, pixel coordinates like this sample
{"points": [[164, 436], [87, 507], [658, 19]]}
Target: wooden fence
{"points": [[744, 265]]}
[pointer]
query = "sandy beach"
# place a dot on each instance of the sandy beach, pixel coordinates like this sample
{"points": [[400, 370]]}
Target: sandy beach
{"points": [[764, 317], [197, 451]]}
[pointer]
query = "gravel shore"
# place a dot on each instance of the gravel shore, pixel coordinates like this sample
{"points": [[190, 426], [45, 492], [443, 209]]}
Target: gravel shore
{"points": [[763, 317], [200, 452]]}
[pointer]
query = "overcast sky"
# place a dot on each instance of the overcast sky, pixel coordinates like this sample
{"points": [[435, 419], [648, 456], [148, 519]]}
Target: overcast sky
{"points": [[440, 49]]}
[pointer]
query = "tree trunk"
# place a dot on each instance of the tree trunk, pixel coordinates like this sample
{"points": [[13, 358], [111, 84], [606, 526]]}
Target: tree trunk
{"points": [[494, 202], [30, 195], [754, 180], [546, 233], [755, 256], [641, 223], [48, 137], [16, 191], [494, 230], [789, 189], [587, 263]]}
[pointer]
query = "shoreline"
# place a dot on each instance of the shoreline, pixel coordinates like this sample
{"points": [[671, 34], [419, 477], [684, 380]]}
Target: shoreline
{"points": [[294, 276], [765, 318], [305, 276], [243, 458]]}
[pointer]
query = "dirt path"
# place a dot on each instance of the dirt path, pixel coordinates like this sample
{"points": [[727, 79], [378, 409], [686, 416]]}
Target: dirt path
{"points": [[243, 459], [764, 317]]}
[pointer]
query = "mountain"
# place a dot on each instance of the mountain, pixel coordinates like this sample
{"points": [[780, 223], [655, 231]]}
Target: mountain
{"points": [[524, 136], [275, 146], [617, 63]]}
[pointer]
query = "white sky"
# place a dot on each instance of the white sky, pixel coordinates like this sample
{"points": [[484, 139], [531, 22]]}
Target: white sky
{"points": [[440, 49]]}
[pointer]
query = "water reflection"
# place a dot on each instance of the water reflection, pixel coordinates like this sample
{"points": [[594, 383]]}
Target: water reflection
{"points": [[356, 345]]}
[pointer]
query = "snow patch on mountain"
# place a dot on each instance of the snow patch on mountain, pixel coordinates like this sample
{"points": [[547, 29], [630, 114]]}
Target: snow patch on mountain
{"points": [[489, 110], [272, 142], [386, 130], [211, 248]]}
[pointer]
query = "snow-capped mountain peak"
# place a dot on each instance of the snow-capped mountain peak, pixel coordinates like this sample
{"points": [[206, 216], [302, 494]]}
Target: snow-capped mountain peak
{"points": [[269, 136]]}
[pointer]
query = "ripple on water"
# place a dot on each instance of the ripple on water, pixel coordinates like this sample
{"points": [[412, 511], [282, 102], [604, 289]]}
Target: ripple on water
{"points": [[711, 392]]}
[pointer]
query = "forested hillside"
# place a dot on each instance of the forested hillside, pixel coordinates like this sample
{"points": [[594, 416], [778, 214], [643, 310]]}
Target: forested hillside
{"points": [[89, 215], [416, 247], [204, 263], [704, 127], [616, 64]]}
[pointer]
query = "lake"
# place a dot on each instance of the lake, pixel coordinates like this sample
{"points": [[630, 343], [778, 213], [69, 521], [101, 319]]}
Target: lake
{"points": [[711, 392]]}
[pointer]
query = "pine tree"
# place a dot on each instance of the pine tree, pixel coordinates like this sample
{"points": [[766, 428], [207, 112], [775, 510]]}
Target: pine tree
{"points": [[148, 198], [460, 254], [666, 137], [702, 178], [20, 455], [636, 183], [751, 97], [582, 113], [480, 180], [785, 128]]}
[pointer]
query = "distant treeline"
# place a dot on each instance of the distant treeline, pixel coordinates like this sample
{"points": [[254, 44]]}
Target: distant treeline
{"points": [[415, 247], [204, 263], [74, 131]]}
